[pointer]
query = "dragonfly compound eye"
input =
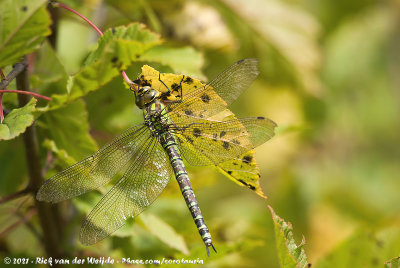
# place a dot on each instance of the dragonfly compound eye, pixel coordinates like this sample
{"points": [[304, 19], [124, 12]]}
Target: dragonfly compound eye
{"points": [[145, 96]]}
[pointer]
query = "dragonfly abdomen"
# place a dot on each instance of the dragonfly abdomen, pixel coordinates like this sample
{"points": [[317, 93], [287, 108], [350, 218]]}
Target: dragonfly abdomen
{"points": [[168, 142]]}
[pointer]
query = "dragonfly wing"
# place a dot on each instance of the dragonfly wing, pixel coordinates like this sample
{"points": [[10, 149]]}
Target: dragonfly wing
{"points": [[212, 98], [244, 171], [141, 184], [260, 129], [206, 142], [96, 170], [235, 79], [197, 104]]}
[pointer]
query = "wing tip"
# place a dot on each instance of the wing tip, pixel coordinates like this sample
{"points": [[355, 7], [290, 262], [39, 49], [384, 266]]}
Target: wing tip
{"points": [[274, 124], [90, 234], [255, 60], [249, 62]]}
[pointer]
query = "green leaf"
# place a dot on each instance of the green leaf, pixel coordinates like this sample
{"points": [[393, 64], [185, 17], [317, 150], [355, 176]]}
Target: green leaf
{"points": [[116, 50], [185, 60], [393, 263], [49, 76], [61, 154], [290, 254], [17, 121], [365, 248], [128, 43], [164, 232], [69, 128], [12, 154], [117, 106], [23, 26], [290, 30]]}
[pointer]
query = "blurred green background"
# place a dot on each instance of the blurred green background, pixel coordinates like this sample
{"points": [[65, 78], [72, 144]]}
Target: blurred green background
{"points": [[330, 78]]}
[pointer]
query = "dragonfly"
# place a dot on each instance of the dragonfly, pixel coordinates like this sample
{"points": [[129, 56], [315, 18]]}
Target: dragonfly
{"points": [[243, 169], [179, 123]]}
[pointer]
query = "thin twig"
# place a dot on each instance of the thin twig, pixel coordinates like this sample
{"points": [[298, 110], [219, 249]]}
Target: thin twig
{"points": [[124, 75], [1, 109], [79, 14], [6, 81], [15, 195], [18, 68], [3, 77]]}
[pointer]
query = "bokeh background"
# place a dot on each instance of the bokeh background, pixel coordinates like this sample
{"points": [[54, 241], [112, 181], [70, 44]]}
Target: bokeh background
{"points": [[330, 78]]}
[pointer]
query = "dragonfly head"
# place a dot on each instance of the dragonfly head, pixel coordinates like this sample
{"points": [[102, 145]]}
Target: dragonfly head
{"points": [[144, 96]]}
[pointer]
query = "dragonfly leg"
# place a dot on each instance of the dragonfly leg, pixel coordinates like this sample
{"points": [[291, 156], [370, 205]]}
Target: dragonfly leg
{"points": [[168, 93], [181, 91], [159, 79], [180, 85]]}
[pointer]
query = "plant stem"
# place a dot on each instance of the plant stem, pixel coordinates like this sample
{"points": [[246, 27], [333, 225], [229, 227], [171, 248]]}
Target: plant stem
{"points": [[5, 81], [18, 67], [46, 217], [55, 15], [80, 15], [27, 93], [124, 75], [15, 195]]}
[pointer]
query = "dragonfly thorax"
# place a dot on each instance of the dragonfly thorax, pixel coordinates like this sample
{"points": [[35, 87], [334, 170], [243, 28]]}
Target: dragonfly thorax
{"points": [[156, 118], [144, 96]]}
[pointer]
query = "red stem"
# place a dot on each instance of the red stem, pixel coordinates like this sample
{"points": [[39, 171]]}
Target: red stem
{"points": [[3, 77], [26, 92], [80, 15], [1, 108], [125, 76], [128, 81]]}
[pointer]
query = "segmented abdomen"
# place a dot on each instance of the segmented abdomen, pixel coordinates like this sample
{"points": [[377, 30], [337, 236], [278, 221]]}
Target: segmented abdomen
{"points": [[168, 142]]}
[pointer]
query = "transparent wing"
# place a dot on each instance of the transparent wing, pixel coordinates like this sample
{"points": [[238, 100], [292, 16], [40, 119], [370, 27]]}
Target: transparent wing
{"points": [[96, 170], [214, 97], [235, 79], [206, 142], [260, 129], [143, 181]]}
